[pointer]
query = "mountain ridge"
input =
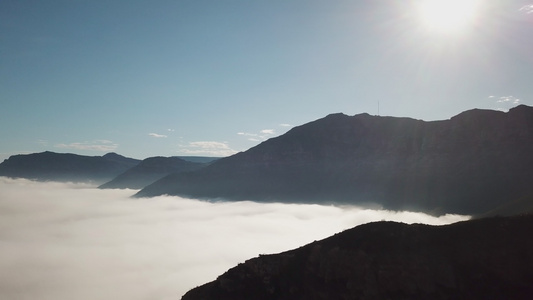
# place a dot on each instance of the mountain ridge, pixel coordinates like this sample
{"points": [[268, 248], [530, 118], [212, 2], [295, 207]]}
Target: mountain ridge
{"points": [[51, 166], [149, 170], [489, 258], [468, 164]]}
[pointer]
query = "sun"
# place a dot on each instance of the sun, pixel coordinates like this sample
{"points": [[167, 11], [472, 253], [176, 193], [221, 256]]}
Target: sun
{"points": [[447, 16]]}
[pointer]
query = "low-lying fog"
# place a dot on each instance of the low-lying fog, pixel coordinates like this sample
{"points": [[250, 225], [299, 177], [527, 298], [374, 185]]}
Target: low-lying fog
{"points": [[71, 241]]}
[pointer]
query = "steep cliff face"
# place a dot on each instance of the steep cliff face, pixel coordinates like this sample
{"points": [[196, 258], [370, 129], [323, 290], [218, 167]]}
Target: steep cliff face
{"points": [[468, 164], [479, 259]]}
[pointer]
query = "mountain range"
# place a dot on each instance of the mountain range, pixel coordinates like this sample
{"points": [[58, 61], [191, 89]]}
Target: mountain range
{"points": [[470, 164], [51, 166], [109, 171], [149, 171], [489, 258]]}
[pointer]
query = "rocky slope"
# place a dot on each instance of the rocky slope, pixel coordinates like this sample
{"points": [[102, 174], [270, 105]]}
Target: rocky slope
{"points": [[150, 170], [469, 164], [50, 166], [479, 259]]}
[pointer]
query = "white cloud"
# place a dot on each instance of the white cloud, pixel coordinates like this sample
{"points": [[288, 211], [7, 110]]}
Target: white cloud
{"points": [[210, 148], [68, 241], [97, 145], [157, 135], [528, 9], [504, 103], [263, 135], [268, 131]]}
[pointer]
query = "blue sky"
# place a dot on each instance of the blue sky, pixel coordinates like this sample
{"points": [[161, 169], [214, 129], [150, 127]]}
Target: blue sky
{"points": [[211, 78]]}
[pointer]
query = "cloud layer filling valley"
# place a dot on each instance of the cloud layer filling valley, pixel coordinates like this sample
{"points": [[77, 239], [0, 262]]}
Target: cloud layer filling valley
{"points": [[66, 241]]}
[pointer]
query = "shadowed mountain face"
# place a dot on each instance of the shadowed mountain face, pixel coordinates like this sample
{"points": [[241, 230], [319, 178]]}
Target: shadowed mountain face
{"points": [[469, 164], [50, 166], [479, 259], [150, 170]]}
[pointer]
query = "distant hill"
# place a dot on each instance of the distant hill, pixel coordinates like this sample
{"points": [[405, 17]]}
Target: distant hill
{"points": [[469, 164], [50, 166], [479, 259], [199, 159], [521, 205], [150, 170]]}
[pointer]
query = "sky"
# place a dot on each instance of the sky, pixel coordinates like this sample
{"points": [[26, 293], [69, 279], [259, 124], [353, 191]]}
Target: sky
{"points": [[73, 241], [215, 77]]}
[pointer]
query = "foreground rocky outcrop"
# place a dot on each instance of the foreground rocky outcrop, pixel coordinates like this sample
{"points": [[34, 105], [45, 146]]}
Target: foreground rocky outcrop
{"points": [[51, 166], [478, 259], [470, 164]]}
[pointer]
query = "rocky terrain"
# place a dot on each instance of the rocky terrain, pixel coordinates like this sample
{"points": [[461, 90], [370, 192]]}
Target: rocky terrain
{"points": [[470, 164], [488, 258]]}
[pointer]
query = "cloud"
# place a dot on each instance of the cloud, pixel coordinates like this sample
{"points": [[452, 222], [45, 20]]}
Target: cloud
{"points": [[210, 148], [508, 99], [504, 103], [263, 135], [157, 135], [528, 9], [42, 142], [268, 131], [97, 145], [70, 241]]}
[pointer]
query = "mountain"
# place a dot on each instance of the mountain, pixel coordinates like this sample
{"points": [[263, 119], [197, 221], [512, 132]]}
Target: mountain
{"points": [[199, 159], [478, 259], [50, 166], [519, 206], [150, 170], [468, 164]]}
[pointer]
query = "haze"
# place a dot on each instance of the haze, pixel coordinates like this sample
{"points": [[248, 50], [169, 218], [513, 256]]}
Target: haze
{"points": [[71, 241]]}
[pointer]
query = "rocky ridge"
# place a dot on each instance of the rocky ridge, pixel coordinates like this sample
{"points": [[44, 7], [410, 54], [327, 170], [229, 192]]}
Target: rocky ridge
{"points": [[479, 259]]}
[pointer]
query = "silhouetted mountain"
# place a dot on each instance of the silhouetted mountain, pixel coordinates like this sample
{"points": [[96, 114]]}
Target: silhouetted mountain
{"points": [[150, 170], [199, 159], [479, 259], [521, 205], [50, 166], [469, 164]]}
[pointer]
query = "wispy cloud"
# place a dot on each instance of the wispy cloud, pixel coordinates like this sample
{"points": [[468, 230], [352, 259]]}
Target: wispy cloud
{"points": [[97, 145], [210, 148], [504, 103], [528, 9], [264, 134], [268, 131], [259, 137], [157, 135], [42, 142], [508, 99]]}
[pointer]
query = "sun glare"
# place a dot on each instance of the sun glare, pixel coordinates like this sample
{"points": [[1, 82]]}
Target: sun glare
{"points": [[447, 16]]}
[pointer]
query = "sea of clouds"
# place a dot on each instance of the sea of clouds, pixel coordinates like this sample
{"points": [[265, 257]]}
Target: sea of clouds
{"points": [[73, 241]]}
